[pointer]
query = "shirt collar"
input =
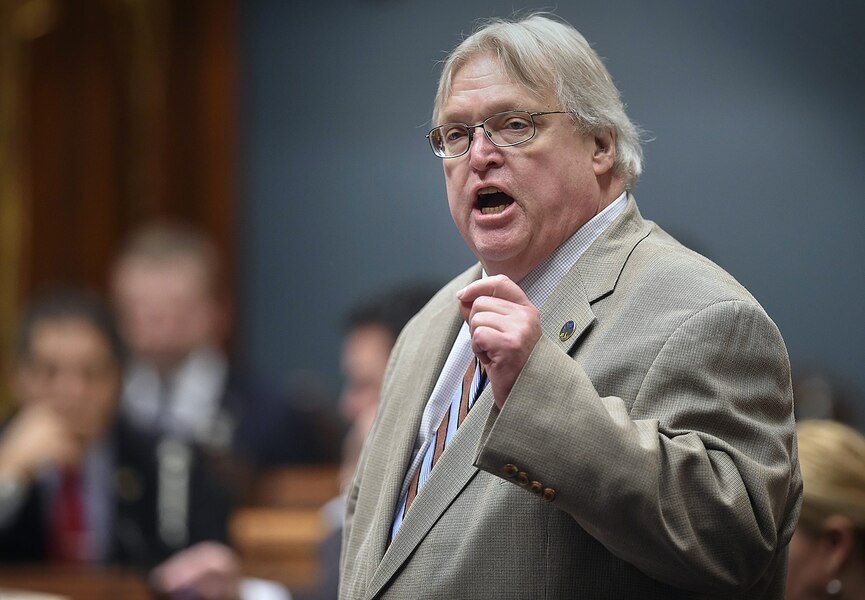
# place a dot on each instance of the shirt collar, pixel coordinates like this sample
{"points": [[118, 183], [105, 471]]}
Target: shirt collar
{"points": [[543, 279]]}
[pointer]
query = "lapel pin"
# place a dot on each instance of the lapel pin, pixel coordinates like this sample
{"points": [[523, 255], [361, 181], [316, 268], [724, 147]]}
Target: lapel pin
{"points": [[567, 331]]}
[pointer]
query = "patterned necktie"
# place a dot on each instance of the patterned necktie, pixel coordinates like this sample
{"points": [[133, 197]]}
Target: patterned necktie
{"points": [[441, 433]]}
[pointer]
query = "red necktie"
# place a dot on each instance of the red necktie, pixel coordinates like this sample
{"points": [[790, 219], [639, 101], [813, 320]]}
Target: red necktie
{"points": [[68, 535]]}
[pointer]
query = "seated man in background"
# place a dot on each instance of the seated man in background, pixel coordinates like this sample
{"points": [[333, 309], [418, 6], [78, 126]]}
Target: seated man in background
{"points": [[196, 428], [370, 331], [57, 453]]}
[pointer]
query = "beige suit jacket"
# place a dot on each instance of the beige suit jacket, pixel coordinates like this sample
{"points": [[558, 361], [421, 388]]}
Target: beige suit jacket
{"points": [[658, 439]]}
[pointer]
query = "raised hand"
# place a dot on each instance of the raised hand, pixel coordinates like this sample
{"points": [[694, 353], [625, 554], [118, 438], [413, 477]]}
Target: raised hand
{"points": [[505, 326], [37, 437]]}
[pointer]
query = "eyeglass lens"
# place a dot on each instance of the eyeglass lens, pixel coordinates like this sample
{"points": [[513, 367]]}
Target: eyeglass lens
{"points": [[503, 129]]}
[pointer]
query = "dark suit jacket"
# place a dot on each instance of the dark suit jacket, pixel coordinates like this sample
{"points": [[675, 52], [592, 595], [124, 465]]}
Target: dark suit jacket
{"points": [[25, 539], [267, 429]]}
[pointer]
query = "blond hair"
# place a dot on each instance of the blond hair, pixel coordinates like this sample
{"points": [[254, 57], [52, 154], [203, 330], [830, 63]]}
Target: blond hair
{"points": [[547, 56], [832, 459]]}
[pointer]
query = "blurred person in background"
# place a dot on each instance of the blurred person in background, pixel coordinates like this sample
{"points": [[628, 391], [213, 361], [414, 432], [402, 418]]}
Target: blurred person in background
{"points": [[370, 331], [57, 451], [198, 428], [827, 552], [818, 393]]}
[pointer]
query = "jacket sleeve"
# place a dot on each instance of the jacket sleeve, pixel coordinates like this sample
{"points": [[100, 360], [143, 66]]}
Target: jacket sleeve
{"points": [[695, 480]]}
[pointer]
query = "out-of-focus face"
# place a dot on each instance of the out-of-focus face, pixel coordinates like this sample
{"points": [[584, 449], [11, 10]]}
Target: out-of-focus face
{"points": [[365, 353], [798, 567], [816, 559], [544, 189], [165, 309], [70, 368]]}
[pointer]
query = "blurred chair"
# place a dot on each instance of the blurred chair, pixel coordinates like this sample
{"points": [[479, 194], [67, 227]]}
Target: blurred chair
{"points": [[277, 535]]}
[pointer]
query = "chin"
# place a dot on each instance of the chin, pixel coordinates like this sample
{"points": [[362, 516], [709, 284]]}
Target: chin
{"points": [[497, 246], [495, 253]]}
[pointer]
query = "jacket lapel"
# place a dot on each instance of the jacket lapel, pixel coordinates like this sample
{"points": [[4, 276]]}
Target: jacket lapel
{"points": [[567, 313], [407, 397], [602, 263], [593, 276], [452, 473]]}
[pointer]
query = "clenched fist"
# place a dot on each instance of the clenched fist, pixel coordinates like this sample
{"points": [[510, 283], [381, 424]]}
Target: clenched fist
{"points": [[504, 325]]}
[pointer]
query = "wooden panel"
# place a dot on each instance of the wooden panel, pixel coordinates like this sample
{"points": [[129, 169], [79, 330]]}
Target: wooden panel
{"points": [[306, 487], [76, 583], [75, 97], [280, 544], [130, 116], [278, 538], [112, 114]]}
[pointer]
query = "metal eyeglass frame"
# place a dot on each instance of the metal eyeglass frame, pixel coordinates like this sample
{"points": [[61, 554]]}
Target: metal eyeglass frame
{"points": [[482, 125]]}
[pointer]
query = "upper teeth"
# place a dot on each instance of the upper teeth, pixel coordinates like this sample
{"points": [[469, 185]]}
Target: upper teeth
{"points": [[488, 190]]}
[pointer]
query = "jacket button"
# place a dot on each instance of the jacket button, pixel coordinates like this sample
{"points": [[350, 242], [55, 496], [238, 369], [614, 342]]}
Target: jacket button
{"points": [[536, 487], [523, 478], [549, 494], [510, 470]]}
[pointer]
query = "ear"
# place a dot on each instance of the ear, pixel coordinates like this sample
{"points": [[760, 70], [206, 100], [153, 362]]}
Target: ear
{"points": [[605, 153], [837, 542]]}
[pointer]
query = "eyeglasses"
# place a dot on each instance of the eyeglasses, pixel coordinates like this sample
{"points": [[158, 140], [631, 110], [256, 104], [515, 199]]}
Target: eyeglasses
{"points": [[503, 129]]}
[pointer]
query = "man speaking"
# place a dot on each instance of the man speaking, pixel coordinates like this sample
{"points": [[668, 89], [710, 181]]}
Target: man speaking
{"points": [[593, 411]]}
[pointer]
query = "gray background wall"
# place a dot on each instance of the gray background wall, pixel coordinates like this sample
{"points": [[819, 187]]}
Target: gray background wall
{"points": [[756, 110]]}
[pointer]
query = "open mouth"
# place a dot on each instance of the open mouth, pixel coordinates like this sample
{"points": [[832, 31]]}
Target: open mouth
{"points": [[493, 202]]}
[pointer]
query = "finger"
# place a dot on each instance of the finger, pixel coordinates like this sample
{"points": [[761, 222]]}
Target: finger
{"points": [[489, 286], [488, 304], [483, 357], [174, 572], [502, 339], [495, 321], [496, 286], [496, 305]]}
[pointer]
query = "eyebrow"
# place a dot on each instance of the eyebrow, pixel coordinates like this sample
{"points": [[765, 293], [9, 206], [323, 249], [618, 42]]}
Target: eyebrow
{"points": [[498, 107]]}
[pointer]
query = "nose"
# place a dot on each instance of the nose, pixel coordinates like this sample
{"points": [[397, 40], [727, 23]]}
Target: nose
{"points": [[483, 154], [70, 391]]}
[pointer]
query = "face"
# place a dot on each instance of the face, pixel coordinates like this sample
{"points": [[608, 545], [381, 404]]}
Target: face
{"points": [[70, 368], [809, 565], [365, 353], [164, 309], [798, 567], [514, 206]]}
